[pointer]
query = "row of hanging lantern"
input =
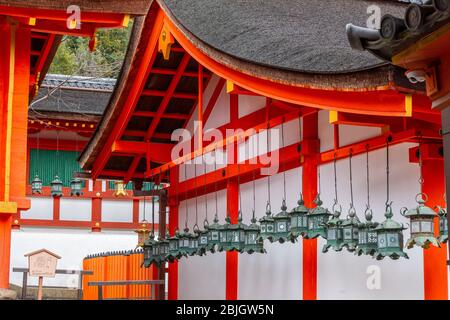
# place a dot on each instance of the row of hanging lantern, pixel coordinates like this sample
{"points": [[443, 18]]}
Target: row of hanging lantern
{"points": [[56, 185], [370, 238]]}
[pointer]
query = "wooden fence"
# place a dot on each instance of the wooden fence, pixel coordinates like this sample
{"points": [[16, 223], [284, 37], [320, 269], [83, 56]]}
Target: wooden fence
{"points": [[117, 266]]}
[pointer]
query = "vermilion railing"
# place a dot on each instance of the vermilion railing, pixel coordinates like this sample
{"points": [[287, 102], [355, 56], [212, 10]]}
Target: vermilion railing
{"points": [[117, 266]]}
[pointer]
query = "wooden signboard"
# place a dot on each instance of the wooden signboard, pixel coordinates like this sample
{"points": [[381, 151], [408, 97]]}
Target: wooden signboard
{"points": [[42, 263]]}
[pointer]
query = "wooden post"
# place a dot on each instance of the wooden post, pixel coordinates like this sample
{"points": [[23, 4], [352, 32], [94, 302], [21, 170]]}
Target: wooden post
{"points": [[309, 183], [39, 294], [162, 235], [435, 259], [446, 137], [14, 87], [173, 226], [232, 257]]}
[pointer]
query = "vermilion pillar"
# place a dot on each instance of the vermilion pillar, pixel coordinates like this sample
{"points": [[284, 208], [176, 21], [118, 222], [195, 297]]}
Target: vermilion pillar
{"points": [[310, 150], [434, 259], [173, 226], [232, 257], [14, 83]]}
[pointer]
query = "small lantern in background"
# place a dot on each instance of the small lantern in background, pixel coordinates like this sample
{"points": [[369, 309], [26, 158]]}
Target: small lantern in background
{"points": [[119, 189], [443, 225], [252, 241], [36, 185], [317, 219], [299, 220], [183, 242], [350, 227], [390, 238], [367, 236], [143, 233], [76, 186], [56, 187], [213, 235], [334, 231], [267, 225], [422, 224], [282, 224], [236, 236]]}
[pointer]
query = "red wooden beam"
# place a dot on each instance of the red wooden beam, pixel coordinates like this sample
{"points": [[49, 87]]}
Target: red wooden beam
{"points": [[159, 152], [213, 100], [133, 96], [231, 281], [168, 95], [60, 15], [180, 95], [150, 114]]}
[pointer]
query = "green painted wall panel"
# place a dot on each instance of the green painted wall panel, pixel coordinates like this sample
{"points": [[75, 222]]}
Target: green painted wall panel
{"points": [[48, 163]]}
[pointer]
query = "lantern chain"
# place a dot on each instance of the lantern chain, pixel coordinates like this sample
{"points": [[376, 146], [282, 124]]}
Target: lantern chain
{"points": [[367, 176], [268, 176], [351, 180], [284, 171], [421, 180], [185, 200], [196, 195], [254, 196], [206, 195], [335, 180], [387, 172], [153, 207], [239, 186], [215, 182]]}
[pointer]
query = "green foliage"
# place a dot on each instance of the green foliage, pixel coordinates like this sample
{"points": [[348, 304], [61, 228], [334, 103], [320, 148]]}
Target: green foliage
{"points": [[74, 58]]}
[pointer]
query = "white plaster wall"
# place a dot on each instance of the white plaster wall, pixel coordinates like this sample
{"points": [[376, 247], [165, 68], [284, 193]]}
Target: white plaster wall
{"points": [[41, 208], [202, 278], [75, 209], [277, 274], [117, 211], [71, 244], [148, 210]]}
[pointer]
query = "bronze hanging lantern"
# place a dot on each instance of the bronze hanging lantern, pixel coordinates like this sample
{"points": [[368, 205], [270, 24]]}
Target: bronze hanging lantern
{"points": [[164, 248], [202, 236], [76, 187], [213, 235], [367, 236], [174, 252], [350, 228], [267, 224], [282, 224], [334, 231], [421, 224], [224, 236], [389, 232], [56, 187], [299, 220], [334, 225], [236, 238], [443, 225], [151, 251], [350, 225], [390, 237], [36, 185], [317, 219], [253, 243]]}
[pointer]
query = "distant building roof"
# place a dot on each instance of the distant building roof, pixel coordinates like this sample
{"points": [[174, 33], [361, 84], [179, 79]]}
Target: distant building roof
{"points": [[73, 95]]}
